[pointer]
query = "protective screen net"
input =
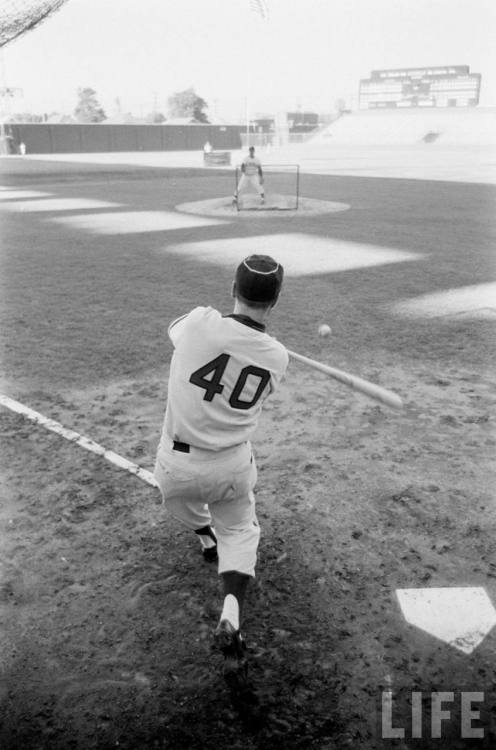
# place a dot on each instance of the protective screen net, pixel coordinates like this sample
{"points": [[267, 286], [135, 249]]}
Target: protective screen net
{"points": [[19, 16]]}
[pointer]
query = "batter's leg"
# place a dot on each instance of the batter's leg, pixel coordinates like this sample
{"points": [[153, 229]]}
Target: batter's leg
{"points": [[238, 535], [209, 543], [227, 636], [181, 499]]}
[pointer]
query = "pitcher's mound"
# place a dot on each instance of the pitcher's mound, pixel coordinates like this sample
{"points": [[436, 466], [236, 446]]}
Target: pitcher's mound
{"points": [[250, 206]]}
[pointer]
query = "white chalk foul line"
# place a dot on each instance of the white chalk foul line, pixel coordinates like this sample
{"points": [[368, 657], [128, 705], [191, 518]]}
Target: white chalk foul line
{"points": [[77, 439]]}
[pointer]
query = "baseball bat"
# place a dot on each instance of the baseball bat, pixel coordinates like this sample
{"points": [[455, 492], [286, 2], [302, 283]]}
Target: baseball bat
{"points": [[352, 381]]}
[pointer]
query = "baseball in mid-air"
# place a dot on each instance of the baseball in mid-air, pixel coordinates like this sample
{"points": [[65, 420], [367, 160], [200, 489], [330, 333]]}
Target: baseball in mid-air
{"points": [[324, 330]]}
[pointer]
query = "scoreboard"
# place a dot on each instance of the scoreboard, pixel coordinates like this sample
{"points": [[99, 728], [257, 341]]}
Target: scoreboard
{"points": [[441, 86]]}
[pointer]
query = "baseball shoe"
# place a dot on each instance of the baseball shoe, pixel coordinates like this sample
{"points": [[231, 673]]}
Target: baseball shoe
{"points": [[210, 554], [231, 644]]}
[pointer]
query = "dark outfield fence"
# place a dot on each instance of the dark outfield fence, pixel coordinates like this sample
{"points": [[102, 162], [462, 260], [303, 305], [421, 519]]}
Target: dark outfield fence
{"points": [[47, 138]]}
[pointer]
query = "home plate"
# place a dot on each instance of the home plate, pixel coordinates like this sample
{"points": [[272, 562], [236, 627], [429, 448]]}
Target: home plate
{"points": [[477, 301], [461, 617], [55, 204], [133, 222], [300, 254]]}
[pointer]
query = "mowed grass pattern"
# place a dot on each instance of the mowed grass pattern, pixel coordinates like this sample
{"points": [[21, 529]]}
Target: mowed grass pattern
{"points": [[107, 608]]}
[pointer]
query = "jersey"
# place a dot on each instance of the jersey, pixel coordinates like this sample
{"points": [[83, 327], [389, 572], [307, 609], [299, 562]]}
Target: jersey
{"points": [[251, 165], [222, 370]]}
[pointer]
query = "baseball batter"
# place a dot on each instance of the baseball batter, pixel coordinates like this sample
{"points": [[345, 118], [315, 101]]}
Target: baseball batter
{"points": [[251, 175], [222, 370]]}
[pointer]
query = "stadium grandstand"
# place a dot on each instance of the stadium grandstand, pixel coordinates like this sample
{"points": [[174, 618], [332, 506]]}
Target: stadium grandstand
{"points": [[445, 126], [415, 105]]}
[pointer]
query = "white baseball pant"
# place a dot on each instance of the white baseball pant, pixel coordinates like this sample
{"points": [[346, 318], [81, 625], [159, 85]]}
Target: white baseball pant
{"points": [[247, 180], [215, 488]]}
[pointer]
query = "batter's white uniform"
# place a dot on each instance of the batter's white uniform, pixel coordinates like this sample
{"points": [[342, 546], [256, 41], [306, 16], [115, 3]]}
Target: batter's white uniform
{"points": [[250, 175], [222, 370]]}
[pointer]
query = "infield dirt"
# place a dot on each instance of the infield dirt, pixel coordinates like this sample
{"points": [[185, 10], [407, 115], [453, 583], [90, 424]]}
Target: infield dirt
{"points": [[107, 607]]}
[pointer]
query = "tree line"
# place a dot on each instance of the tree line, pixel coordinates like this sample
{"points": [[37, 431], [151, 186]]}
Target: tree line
{"points": [[182, 104]]}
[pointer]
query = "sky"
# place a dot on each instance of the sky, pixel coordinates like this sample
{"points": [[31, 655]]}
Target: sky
{"points": [[307, 55]]}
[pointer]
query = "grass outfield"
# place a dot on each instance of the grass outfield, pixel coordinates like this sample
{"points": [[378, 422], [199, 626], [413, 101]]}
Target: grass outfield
{"points": [[107, 610]]}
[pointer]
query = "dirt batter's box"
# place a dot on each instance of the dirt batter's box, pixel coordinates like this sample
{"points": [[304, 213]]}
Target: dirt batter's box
{"points": [[282, 189]]}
